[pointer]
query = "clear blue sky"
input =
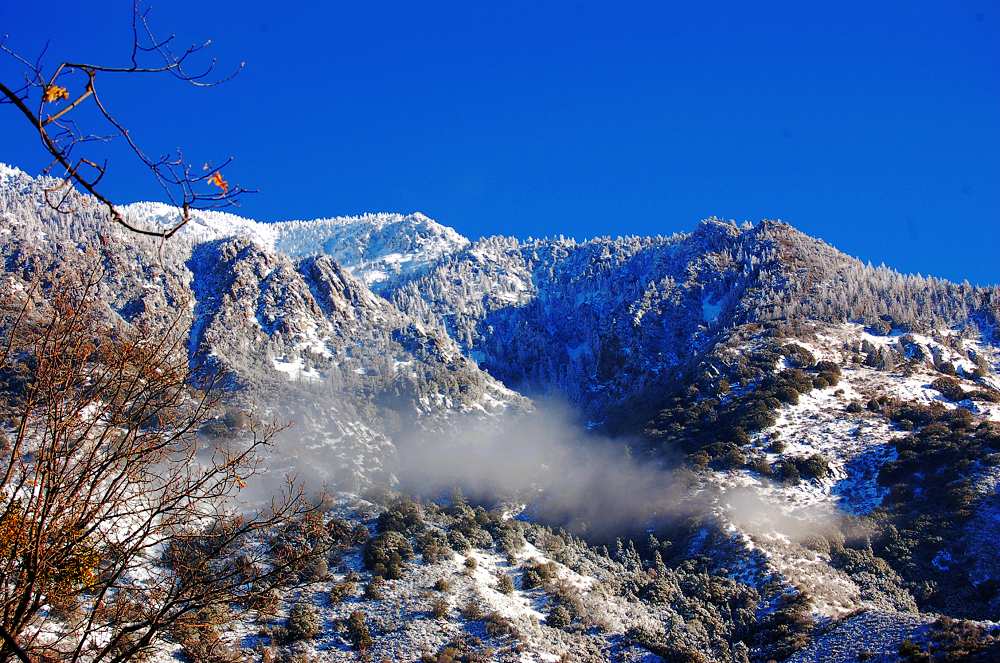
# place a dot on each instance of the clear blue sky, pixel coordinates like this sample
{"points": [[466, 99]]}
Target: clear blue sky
{"points": [[874, 125]]}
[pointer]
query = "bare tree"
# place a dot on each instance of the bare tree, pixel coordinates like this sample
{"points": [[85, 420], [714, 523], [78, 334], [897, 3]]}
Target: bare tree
{"points": [[51, 100], [119, 519]]}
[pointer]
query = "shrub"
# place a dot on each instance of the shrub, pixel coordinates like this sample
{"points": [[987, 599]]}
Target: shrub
{"points": [[950, 388], [662, 645], [700, 459], [463, 648], [434, 546], [498, 626], [442, 585], [359, 534], [789, 472], [386, 553], [510, 537], [236, 419], [470, 563], [458, 542], [814, 467], [205, 645], [761, 466], [787, 629], [357, 631], [215, 429], [200, 640], [266, 603], [472, 611], [559, 617], [439, 608], [341, 591], [987, 395], [341, 537], [787, 394], [880, 328], [537, 574], [504, 584], [374, 590], [303, 622], [728, 457], [828, 367], [959, 640], [403, 515], [816, 542], [798, 356], [908, 648], [315, 569]]}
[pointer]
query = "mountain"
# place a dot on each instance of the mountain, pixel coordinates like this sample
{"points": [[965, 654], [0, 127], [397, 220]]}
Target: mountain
{"points": [[804, 449], [347, 368], [379, 249], [609, 321]]}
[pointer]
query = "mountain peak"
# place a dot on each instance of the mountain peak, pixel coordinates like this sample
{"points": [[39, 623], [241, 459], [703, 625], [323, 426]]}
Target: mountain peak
{"points": [[377, 248], [10, 172]]}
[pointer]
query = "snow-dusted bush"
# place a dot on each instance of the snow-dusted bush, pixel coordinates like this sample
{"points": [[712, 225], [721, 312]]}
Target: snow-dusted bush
{"points": [[499, 625], [386, 553], [342, 590], [434, 546], [472, 610], [304, 622], [458, 542], [504, 583], [439, 608], [950, 388], [536, 574], [558, 617], [403, 515], [358, 632], [375, 589]]}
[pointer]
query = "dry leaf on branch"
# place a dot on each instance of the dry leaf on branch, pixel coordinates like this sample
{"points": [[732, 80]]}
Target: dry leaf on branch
{"points": [[217, 180], [55, 93]]}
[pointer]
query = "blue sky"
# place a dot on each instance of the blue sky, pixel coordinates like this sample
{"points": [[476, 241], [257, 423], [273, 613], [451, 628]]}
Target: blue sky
{"points": [[875, 126]]}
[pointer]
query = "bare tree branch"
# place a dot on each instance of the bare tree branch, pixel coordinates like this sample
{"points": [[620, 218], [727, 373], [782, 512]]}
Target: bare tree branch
{"points": [[184, 186]]}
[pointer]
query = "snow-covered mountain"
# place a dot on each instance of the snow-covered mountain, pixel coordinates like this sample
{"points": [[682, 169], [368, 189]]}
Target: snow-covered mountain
{"points": [[295, 334], [834, 425], [379, 249]]}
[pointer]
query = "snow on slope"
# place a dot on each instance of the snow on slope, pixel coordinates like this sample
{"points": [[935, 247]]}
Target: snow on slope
{"points": [[203, 226], [10, 172], [376, 248], [855, 445]]}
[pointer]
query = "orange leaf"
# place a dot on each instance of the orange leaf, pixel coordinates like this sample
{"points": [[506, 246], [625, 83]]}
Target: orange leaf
{"points": [[55, 93], [217, 180]]}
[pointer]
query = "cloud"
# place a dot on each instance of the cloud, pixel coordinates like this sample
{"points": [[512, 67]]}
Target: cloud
{"points": [[545, 459]]}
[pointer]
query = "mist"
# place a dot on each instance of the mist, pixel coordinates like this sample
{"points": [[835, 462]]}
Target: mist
{"points": [[549, 464], [546, 460]]}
